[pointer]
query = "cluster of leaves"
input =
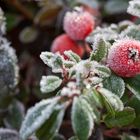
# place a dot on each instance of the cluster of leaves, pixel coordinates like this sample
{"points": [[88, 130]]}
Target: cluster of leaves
{"points": [[96, 94]]}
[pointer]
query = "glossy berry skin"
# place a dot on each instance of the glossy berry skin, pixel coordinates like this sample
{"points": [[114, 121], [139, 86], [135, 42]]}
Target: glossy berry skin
{"points": [[64, 43], [124, 58], [78, 24]]}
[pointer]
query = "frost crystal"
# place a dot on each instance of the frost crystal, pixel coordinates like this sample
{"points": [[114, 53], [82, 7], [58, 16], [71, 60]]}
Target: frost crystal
{"points": [[7, 134], [132, 31], [2, 23], [8, 67], [107, 33], [134, 8]]}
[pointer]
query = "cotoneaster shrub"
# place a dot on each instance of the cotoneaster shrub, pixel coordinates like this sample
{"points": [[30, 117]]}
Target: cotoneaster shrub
{"points": [[98, 88]]}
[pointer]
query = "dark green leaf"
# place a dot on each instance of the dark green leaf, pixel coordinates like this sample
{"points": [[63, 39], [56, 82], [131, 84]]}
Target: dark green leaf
{"points": [[115, 84], [8, 134], [49, 83], [100, 48], [111, 101], [121, 118], [37, 116], [82, 120], [51, 126], [15, 115], [133, 84]]}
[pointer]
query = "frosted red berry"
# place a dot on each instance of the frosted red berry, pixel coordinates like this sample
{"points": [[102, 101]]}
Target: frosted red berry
{"points": [[64, 43], [78, 24], [124, 58]]}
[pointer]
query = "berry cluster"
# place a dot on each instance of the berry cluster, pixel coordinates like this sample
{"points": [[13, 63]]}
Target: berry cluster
{"points": [[78, 24]]}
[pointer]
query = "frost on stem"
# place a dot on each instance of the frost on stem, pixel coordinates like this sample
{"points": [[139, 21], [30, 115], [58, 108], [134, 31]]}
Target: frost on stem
{"points": [[134, 8], [107, 33], [8, 67], [2, 23]]}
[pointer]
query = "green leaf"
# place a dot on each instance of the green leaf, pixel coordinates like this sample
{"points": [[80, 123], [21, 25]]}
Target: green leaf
{"points": [[115, 84], [8, 134], [37, 116], [111, 101], [73, 138], [52, 125], [72, 56], [133, 84], [15, 115], [55, 61], [121, 118], [132, 31], [128, 137], [49, 83], [58, 137], [102, 71], [100, 48], [82, 120]]}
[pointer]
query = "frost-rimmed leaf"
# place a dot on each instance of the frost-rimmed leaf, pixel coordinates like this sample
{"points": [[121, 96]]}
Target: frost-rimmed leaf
{"points": [[94, 100], [106, 33], [115, 84], [132, 31], [124, 24], [82, 120], [59, 137], [102, 71], [72, 56], [134, 8], [73, 138], [49, 83], [100, 48], [52, 125], [37, 116], [111, 101], [15, 115], [8, 134], [133, 84], [121, 118], [126, 136], [55, 61], [68, 64]]}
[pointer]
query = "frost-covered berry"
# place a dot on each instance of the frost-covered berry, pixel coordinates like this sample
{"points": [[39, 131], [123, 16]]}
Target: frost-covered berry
{"points": [[8, 67], [64, 43], [2, 23], [78, 24], [124, 58]]}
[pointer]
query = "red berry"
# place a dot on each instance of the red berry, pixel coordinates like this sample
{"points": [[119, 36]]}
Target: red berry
{"points": [[124, 58], [78, 24], [64, 43]]}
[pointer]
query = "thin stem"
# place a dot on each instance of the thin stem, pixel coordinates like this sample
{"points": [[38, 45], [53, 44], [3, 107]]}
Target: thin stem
{"points": [[21, 8]]}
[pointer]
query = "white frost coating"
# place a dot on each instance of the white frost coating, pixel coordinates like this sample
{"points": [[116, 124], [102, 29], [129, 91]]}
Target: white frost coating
{"points": [[8, 67], [83, 106], [8, 134], [2, 23], [70, 89], [36, 116], [111, 98], [132, 32], [134, 8], [49, 83], [106, 33], [55, 61]]}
